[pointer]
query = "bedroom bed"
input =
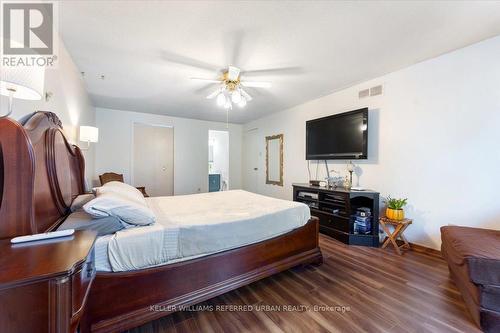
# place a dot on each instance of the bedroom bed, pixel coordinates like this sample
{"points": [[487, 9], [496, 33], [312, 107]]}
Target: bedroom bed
{"points": [[191, 253]]}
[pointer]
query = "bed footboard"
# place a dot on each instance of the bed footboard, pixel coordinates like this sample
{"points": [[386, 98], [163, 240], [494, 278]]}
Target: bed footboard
{"points": [[120, 301]]}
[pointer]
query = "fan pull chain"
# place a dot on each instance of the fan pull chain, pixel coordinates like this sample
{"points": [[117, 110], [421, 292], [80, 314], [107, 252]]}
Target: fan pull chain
{"points": [[227, 118]]}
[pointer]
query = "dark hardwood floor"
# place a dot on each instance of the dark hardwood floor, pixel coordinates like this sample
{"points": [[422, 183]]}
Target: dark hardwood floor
{"points": [[374, 290]]}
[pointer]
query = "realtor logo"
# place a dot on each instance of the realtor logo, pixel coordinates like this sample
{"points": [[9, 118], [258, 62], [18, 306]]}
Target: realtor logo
{"points": [[28, 28]]}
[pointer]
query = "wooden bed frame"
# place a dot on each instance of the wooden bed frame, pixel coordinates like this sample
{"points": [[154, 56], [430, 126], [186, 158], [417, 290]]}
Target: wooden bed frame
{"points": [[41, 174]]}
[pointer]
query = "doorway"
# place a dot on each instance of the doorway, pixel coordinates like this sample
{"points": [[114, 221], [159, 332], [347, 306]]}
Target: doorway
{"points": [[218, 161], [153, 159]]}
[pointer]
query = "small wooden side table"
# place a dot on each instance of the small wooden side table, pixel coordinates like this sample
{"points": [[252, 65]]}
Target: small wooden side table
{"points": [[398, 232], [44, 285]]}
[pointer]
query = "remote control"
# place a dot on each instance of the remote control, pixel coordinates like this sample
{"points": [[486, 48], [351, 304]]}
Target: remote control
{"points": [[47, 235]]}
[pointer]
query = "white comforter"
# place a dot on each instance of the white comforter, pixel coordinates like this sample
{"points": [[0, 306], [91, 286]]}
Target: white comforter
{"points": [[189, 226]]}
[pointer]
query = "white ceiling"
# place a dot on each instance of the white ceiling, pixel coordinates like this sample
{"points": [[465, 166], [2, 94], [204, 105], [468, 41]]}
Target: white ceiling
{"points": [[148, 50]]}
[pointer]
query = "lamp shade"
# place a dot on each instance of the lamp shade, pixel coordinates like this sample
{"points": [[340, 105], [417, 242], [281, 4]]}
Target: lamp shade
{"points": [[89, 134], [25, 82]]}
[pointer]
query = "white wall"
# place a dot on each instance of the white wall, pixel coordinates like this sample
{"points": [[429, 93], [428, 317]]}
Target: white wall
{"points": [[220, 143], [434, 137], [69, 101], [114, 150]]}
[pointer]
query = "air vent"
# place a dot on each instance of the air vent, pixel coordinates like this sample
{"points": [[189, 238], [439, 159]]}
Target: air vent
{"points": [[377, 90], [373, 91], [364, 93]]}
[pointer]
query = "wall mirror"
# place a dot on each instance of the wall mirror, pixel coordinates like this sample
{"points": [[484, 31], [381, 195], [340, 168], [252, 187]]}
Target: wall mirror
{"points": [[274, 159]]}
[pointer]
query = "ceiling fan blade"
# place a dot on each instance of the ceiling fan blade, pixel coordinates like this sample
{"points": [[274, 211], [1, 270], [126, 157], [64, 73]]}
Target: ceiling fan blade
{"points": [[233, 47], [274, 71], [178, 59], [256, 84], [204, 89], [233, 73], [246, 95], [206, 80], [215, 93]]}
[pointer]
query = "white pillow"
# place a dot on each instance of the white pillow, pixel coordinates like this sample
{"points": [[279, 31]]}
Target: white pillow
{"points": [[115, 204], [124, 190], [81, 200]]}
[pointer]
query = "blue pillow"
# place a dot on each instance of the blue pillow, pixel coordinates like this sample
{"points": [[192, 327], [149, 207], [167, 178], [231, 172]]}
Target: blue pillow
{"points": [[81, 220]]}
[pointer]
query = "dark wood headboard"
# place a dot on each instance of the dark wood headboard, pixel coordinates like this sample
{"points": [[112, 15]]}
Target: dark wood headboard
{"points": [[40, 174]]}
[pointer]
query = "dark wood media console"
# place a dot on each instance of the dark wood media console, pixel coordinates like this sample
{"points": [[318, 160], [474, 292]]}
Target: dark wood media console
{"points": [[335, 208]]}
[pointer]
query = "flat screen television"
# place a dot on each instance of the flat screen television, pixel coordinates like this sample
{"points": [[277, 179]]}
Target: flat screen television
{"points": [[338, 137]]}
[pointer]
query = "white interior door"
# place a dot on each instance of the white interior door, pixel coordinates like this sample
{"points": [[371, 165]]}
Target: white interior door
{"points": [[252, 161], [154, 159]]}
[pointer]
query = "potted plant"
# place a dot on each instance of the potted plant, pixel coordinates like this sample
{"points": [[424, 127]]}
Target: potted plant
{"points": [[394, 210]]}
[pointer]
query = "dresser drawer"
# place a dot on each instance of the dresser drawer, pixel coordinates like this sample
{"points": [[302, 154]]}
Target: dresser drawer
{"points": [[338, 235], [337, 198], [338, 203], [81, 281], [339, 223]]}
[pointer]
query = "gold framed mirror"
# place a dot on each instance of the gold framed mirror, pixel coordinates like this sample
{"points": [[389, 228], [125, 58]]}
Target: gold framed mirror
{"points": [[274, 160]]}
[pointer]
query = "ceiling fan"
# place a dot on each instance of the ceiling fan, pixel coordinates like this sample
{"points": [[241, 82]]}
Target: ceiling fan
{"points": [[230, 88]]}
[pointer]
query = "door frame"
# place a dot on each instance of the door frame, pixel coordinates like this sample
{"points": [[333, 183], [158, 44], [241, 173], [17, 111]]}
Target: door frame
{"points": [[132, 171], [228, 156]]}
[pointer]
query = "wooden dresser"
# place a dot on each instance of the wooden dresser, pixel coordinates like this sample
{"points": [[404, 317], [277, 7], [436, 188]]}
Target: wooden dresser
{"points": [[44, 285]]}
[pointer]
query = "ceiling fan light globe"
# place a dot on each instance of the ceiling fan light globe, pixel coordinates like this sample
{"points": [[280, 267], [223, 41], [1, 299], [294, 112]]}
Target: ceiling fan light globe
{"points": [[221, 99], [228, 104], [236, 97], [242, 103]]}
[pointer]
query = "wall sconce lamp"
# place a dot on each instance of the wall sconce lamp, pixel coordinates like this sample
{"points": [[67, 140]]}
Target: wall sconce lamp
{"points": [[88, 134]]}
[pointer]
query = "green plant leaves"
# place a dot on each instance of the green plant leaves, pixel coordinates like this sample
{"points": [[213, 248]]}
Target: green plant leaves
{"points": [[393, 203]]}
